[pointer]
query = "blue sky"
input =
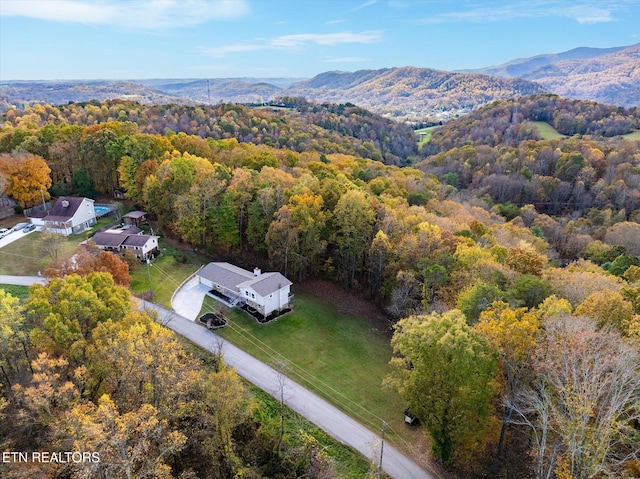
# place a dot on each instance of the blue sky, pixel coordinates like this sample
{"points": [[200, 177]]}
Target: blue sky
{"points": [[142, 39]]}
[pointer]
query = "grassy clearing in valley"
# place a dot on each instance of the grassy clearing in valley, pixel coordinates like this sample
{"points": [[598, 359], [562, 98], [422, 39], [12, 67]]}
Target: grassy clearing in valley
{"points": [[547, 132], [339, 356], [424, 134], [634, 135]]}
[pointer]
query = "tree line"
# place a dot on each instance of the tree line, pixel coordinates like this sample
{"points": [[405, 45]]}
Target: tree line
{"points": [[306, 126]]}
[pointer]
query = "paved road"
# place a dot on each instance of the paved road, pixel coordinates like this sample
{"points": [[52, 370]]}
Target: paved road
{"points": [[21, 280], [298, 398]]}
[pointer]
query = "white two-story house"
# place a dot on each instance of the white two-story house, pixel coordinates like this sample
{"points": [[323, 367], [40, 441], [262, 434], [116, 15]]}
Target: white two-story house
{"points": [[69, 215], [263, 292]]}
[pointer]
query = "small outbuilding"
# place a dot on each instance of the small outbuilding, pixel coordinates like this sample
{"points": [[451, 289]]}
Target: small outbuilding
{"points": [[135, 218]]}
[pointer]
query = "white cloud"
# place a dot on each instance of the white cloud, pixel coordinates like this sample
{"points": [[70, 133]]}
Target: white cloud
{"points": [[297, 42], [584, 12], [327, 39], [366, 4], [221, 52], [144, 14]]}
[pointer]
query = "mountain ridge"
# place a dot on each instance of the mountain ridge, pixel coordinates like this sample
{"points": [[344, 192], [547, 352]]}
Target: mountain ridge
{"points": [[410, 94]]}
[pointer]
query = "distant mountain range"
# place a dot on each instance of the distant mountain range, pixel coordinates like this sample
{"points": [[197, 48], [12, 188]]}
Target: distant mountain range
{"points": [[610, 75], [605, 75]]}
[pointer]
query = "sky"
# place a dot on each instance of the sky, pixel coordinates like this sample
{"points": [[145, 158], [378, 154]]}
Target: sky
{"points": [[145, 39]]}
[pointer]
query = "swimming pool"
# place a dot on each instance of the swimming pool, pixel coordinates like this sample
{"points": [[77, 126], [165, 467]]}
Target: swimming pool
{"points": [[101, 210]]}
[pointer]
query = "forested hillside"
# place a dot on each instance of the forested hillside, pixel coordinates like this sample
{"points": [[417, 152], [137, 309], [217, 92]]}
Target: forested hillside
{"points": [[497, 254], [613, 78], [523, 66], [413, 94], [301, 126]]}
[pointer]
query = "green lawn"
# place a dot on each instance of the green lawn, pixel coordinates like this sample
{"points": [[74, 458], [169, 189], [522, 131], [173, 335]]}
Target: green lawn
{"points": [[547, 132], [423, 139], [26, 257], [341, 357], [21, 292], [167, 274], [634, 135]]}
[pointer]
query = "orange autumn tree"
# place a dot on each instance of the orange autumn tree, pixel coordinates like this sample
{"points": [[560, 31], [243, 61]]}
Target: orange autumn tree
{"points": [[27, 176], [86, 261]]}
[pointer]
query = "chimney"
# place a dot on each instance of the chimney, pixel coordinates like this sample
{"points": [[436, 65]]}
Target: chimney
{"points": [[257, 272], [65, 204]]}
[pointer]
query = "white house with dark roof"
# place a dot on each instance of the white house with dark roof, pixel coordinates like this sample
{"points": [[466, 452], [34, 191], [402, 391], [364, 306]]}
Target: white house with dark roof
{"points": [[140, 245], [264, 292], [69, 215]]}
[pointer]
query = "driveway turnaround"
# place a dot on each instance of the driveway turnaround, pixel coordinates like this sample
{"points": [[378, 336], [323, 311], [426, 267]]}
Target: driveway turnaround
{"points": [[187, 300], [298, 398]]}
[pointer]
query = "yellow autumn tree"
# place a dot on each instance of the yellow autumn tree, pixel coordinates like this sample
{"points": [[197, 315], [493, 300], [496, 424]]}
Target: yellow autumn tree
{"points": [[28, 178]]}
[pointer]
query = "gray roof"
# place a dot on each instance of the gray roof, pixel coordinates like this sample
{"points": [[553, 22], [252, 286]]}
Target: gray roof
{"points": [[233, 278], [65, 208], [136, 240], [108, 239], [266, 283], [135, 214], [131, 230], [225, 274], [115, 239]]}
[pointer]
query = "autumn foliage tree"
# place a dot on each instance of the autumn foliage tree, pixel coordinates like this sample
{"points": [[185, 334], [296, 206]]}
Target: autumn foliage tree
{"points": [[582, 406], [87, 260], [28, 178], [445, 371]]}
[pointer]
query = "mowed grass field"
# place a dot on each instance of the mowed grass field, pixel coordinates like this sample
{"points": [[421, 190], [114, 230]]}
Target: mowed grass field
{"points": [[634, 135], [341, 357], [424, 134], [547, 132]]}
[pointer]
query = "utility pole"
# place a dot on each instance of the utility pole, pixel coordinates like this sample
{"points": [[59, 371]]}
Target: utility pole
{"points": [[149, 276], [208, 92], [384, 427]]}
